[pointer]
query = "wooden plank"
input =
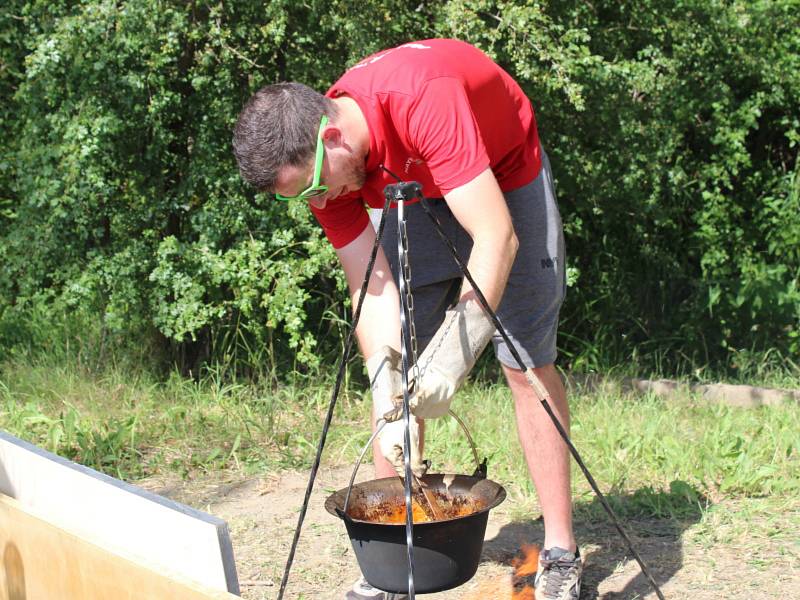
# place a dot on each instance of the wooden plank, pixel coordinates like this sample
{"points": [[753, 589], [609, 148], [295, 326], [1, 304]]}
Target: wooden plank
{"points": [[118, 516], [41, 560]]}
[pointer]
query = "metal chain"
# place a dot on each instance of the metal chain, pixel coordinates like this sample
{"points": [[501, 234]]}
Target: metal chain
{"points": [[408, 341], [405, 266], [406, 328]]}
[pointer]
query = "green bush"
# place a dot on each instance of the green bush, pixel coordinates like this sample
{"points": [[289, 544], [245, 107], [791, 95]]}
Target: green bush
{"points": [[672, 128]]}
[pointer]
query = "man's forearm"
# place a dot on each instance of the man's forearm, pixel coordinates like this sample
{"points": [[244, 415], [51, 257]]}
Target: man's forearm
{"points": [[480, 208], [489, 264], [379, 322]]}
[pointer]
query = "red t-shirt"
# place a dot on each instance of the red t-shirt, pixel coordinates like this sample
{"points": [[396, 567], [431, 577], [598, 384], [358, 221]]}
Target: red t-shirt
{"points": [[439, 112]]}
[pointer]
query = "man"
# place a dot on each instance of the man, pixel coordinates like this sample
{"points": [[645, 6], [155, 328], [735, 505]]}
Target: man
{"points": [[442, 113]]}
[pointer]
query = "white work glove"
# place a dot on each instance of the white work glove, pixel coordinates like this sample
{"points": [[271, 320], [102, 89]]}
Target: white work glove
{"points": [[386, 383], [449, 357]]}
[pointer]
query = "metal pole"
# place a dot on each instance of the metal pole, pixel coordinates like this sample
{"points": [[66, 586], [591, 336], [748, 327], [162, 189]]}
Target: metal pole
{"points": [[406, 347], [329, 416], [542, 394], [412, 187]]}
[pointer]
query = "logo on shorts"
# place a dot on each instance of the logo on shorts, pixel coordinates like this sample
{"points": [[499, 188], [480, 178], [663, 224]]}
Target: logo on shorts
{"points": [[549, 262]]}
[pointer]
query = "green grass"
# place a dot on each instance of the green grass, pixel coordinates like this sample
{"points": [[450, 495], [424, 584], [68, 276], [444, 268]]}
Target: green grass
{"points": [[134, 425], [731, 473]]}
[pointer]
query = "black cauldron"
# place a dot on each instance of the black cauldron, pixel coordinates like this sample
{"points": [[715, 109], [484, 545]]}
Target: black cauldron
{"points": [[446, 552]]}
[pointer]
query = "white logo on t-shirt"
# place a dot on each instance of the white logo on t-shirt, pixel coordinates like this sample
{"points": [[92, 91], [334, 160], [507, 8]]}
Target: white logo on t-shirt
{"points": [[368, 61], [411, 161]]}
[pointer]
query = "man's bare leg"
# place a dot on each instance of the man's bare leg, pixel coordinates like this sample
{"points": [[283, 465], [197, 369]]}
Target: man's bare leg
{"points": [[545, 452]]}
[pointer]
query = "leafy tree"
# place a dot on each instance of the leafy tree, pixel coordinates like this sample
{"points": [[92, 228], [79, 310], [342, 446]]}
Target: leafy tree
{"points": [[672, 128]]}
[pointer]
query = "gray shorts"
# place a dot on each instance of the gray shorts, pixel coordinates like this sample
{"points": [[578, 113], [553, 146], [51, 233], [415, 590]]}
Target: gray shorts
{"points": [[536, 285]]}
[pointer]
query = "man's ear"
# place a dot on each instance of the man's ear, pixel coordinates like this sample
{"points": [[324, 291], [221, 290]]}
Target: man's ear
{"points": [[332, 135]]}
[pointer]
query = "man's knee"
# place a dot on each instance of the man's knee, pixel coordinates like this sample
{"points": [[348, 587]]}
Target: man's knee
{"points": [[544, 370]]}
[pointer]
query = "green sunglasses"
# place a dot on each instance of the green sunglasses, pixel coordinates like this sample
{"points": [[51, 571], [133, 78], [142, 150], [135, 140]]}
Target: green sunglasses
{"points": [[315, 189]]}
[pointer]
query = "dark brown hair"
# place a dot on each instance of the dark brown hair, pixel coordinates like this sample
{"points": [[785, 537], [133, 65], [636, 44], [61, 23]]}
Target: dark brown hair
{"points": [[276, 128]]}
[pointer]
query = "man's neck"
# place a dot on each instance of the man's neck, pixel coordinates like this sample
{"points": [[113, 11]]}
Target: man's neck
{"points": [[353, 124]]}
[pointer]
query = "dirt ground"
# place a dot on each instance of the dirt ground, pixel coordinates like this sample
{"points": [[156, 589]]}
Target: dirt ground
{"points": [[262, 517]]}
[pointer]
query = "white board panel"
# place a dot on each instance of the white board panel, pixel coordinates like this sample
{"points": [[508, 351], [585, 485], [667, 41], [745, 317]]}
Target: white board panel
{"points": [[43, 561], [121, 516]]}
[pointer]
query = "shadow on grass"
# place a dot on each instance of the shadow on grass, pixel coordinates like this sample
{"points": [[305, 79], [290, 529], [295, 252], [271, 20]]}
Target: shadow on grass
{"points": [[654, 520]]}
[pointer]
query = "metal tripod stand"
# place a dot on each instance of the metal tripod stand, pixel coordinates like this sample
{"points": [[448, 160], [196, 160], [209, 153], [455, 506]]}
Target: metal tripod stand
{"points": [[401, 193]]}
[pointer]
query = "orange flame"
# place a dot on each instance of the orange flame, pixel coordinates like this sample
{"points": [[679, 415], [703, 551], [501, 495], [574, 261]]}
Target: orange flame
{"points": [[524, 572], [517, 587]]}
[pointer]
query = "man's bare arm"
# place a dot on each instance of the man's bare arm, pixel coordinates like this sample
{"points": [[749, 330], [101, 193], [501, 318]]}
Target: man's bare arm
{"points": [[379, 324], [378, 334], [480, 208], [466, 330]]}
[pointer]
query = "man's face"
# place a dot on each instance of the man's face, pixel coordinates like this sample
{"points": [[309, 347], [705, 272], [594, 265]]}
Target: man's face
{"points": [[342, 171]]}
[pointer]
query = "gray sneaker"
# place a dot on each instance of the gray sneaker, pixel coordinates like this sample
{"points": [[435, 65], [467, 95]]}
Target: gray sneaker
{"points": [[364, 591], [559, 575]]}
